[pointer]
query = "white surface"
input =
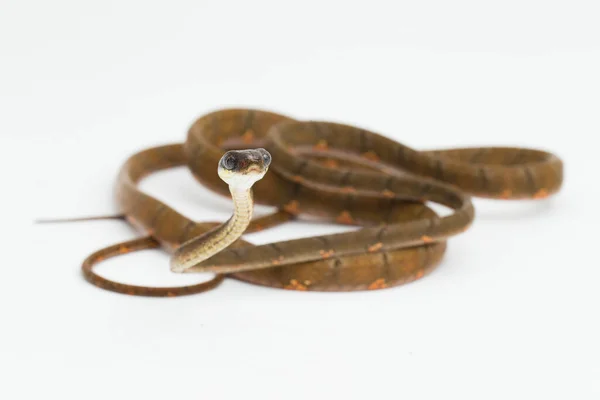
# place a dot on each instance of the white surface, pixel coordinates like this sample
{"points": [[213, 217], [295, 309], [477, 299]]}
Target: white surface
{"points": [[512, 312]]}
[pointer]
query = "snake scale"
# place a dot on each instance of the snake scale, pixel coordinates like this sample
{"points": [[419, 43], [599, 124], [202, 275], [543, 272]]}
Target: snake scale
{"points": [[334, 172]]}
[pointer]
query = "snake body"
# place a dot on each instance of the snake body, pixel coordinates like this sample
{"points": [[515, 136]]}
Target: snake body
{"points": [[334, 172]]}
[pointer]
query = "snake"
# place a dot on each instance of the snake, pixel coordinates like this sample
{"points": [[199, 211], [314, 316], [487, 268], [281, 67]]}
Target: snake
{"points": [[328, 171]]}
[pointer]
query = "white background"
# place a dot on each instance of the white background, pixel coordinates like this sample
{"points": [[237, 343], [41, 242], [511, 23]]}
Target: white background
{"points": [[512, 312]]}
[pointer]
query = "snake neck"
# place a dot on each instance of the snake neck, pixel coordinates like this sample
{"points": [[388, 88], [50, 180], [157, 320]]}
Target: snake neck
{"points": [[205, 246], [242, 214]]}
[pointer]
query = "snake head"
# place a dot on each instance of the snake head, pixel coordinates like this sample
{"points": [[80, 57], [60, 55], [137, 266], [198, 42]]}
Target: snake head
{"points": [[240, 169]]}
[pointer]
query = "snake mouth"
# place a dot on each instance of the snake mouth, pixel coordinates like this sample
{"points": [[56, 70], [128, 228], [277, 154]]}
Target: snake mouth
{"points": [[254, 169]]}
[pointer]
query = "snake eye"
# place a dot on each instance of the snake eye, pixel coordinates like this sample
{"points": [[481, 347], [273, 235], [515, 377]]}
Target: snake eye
{"points": [[229, 162], [266, 157]]}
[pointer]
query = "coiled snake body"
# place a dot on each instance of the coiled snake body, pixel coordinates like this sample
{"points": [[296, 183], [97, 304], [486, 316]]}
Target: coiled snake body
{"points": [[335, 172]]}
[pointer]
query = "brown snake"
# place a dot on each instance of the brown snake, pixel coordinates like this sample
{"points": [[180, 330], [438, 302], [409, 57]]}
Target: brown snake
{"points": [[334, 172]]}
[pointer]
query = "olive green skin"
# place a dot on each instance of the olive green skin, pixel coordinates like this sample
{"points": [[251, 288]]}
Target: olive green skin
{"points": [[336, 173]]}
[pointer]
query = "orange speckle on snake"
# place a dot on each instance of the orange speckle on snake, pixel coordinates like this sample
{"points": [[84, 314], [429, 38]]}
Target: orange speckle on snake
{"points": [[277, 261], [294, 285], [326, 253], [331, 163], [370, 155], [375, 247], [377, 284], [426, 239], [540, 194], [291, 207], [248, 136], [345, 218]]}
